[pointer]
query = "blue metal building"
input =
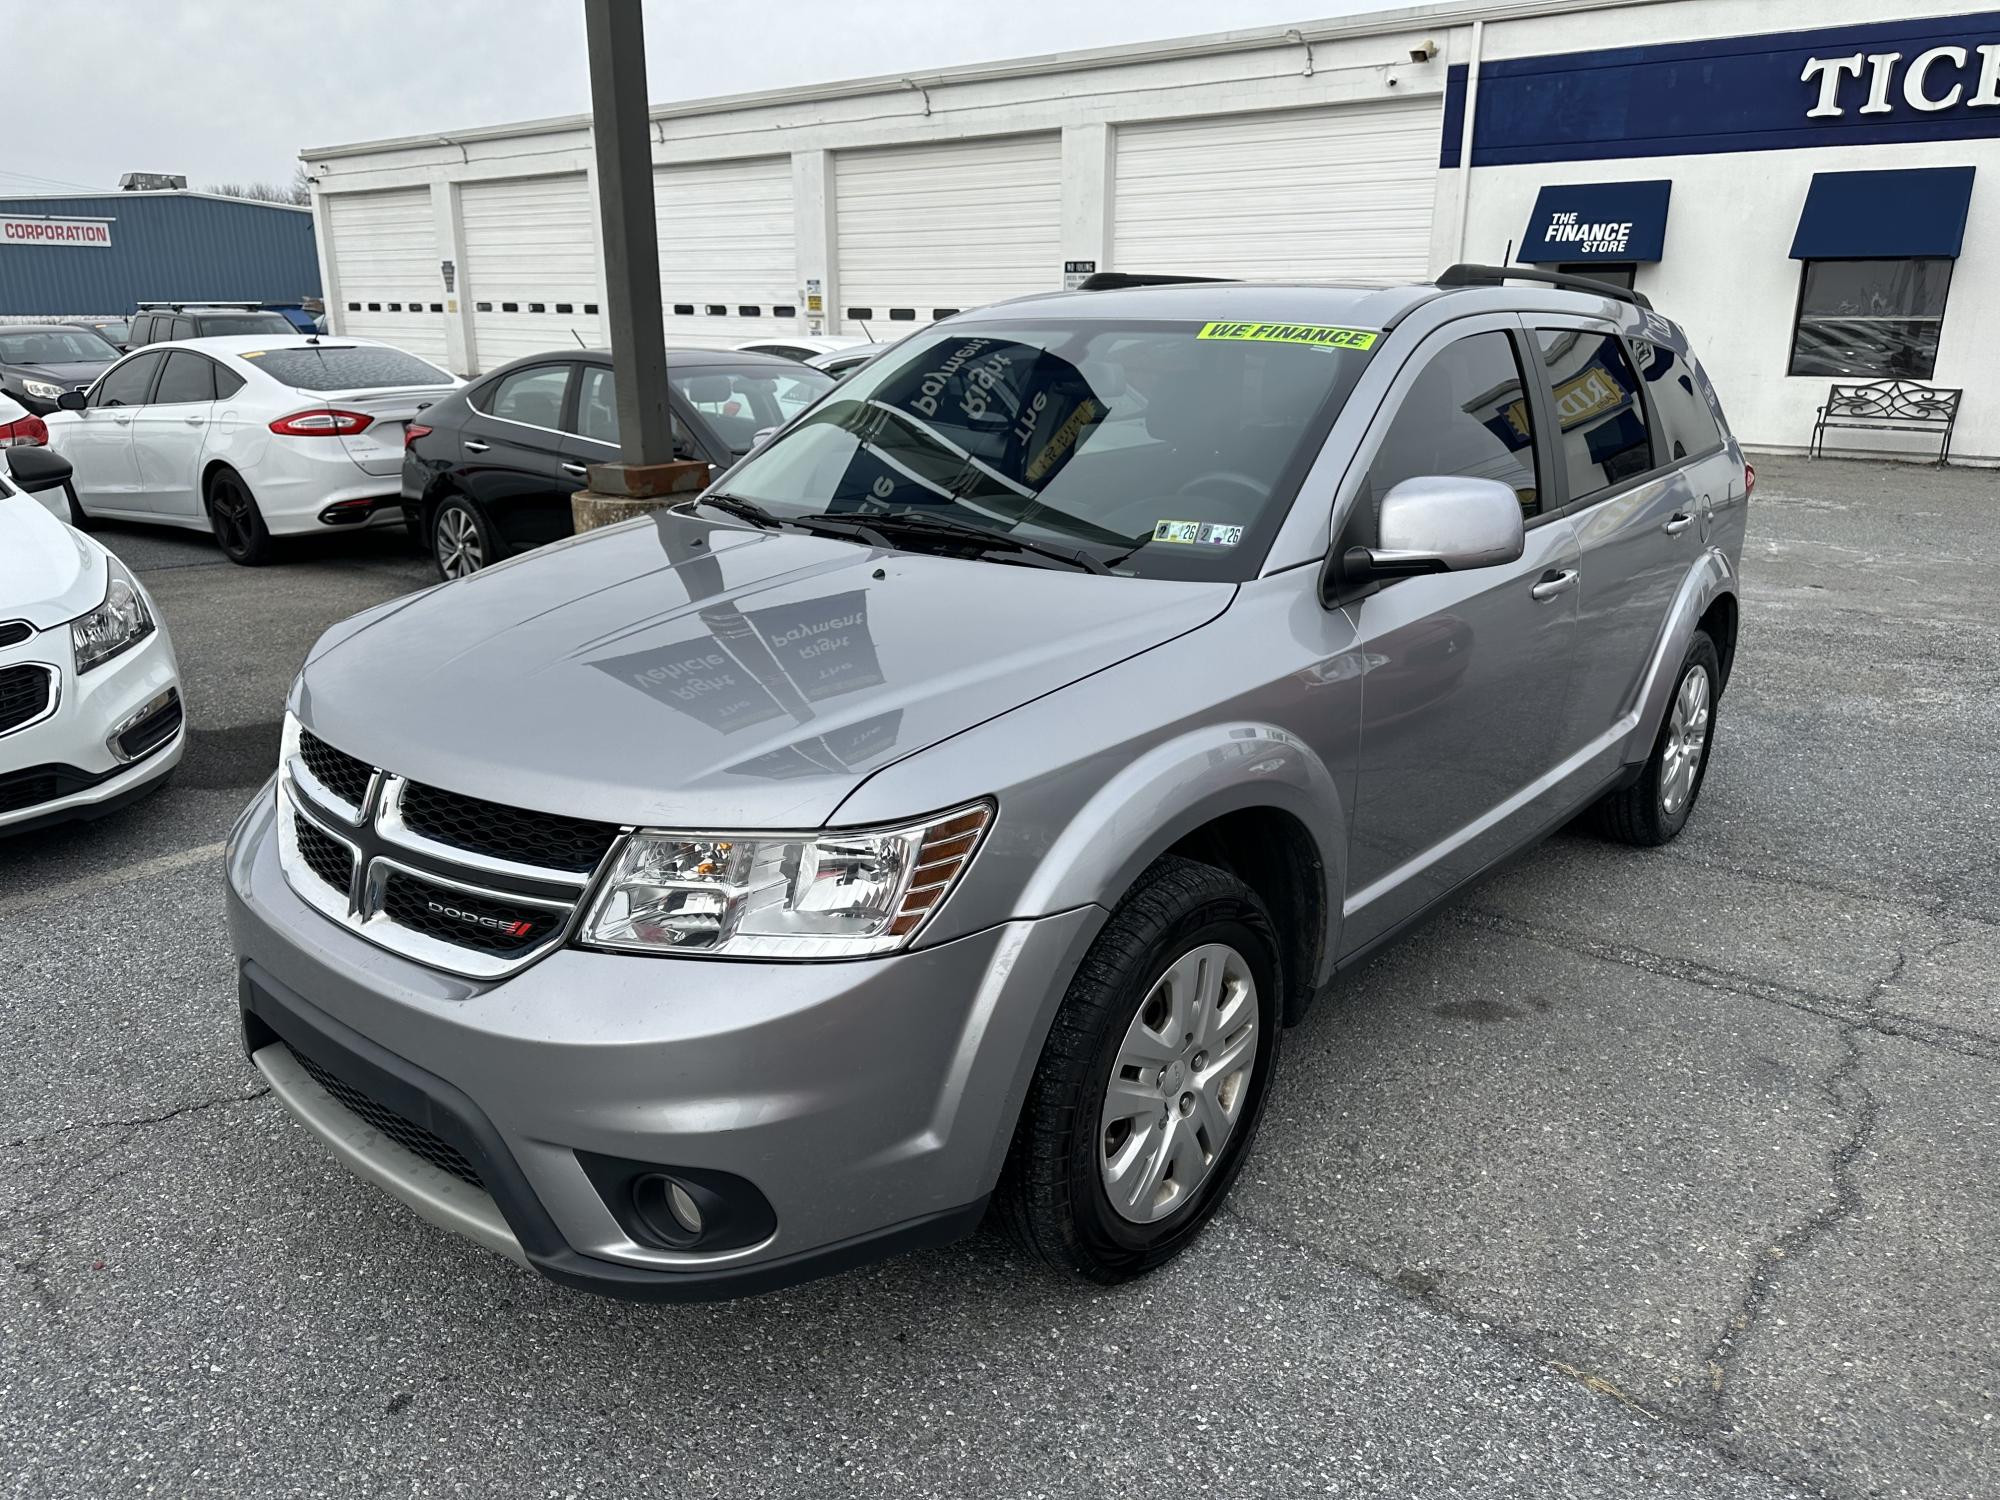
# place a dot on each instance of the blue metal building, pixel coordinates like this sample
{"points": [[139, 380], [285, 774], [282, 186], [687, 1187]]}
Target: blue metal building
{"points": [[100, 254]]}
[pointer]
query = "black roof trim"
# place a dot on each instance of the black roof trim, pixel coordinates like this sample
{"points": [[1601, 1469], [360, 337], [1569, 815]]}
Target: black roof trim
{"points": [[1111, 281], [1466, 274]]}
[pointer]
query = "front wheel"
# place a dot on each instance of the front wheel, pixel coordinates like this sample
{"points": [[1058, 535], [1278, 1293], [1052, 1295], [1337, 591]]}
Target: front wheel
{"points": [[237, 523], [1655, 808], [1150, 1088]]}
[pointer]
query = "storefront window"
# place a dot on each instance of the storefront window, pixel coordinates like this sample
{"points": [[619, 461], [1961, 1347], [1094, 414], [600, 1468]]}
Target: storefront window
{"points": [[1878, 319]]}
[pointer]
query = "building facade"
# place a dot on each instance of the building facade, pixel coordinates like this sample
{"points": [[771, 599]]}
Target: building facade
{"points": [[101, 254], [1798, 182]]}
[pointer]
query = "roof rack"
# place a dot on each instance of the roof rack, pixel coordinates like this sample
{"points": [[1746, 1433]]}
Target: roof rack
{"points": [[1111, 281], [1472, 275], [198, 302]]}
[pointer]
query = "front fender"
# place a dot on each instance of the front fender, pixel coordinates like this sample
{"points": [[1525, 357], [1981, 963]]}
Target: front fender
{"points": [[1708, 578]]}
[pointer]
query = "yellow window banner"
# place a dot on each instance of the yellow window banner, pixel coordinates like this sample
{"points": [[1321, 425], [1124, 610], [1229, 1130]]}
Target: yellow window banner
{"points": [[1315, 335]]}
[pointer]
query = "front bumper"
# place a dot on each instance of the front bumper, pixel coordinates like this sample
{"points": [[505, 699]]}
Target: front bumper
{"points": [[870, 1103], [72, 751]]}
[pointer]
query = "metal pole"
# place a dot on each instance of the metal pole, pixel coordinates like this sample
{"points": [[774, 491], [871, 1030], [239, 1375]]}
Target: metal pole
{"points": [[617, 39]]}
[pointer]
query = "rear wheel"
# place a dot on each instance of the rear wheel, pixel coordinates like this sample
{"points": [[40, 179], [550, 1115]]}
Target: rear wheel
{"points": [[1655, 808], [461, 540], [237, 523], [1149, 1090]]}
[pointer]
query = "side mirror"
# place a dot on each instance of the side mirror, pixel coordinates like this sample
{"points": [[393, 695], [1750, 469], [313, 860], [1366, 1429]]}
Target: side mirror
{"points": [[38, 469], [1441, 524], [72, 401]]}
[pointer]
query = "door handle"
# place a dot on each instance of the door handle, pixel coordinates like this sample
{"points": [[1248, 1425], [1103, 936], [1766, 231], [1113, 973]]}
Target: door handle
{"points": [[1553, 584], [194, 421], [1678, 522], [577, 469], [123, 421], [475, 447]]}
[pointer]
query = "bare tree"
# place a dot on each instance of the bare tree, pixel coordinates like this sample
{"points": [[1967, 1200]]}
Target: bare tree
{"points": [[298, 191]]}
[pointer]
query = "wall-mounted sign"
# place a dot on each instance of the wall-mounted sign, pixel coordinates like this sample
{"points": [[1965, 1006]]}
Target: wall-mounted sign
{"points": [[450, 273], [1614, 221], [1076, 272], [63, 232], [1936, 78]]}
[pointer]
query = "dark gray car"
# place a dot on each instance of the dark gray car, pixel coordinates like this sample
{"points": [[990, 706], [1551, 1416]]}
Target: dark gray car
{"points": [[39, 361], [949, 811]]}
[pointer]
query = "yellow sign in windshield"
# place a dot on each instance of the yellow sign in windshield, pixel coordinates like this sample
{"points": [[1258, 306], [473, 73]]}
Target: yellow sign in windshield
{"points": [[1314, 334]]}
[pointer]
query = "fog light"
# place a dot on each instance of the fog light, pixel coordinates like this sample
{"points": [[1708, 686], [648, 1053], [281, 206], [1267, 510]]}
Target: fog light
{"points": [[683, 1208]]}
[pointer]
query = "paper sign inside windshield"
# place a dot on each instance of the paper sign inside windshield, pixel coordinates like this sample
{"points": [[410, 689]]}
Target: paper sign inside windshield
{"points": [[1315, 334]]}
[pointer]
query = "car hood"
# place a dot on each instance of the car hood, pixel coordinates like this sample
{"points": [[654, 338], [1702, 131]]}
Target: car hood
{"points": [[48, 573], [679, 673], [80, 373]]}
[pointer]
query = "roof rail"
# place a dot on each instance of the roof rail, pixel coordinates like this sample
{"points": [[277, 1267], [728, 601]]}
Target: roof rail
{"points": [[1472, 275], [197, 302], [1111, 281]]}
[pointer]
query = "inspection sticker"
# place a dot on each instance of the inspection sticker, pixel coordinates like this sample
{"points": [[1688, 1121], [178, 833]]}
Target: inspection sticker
{"points": [[1293, 333], [1198, 533]]}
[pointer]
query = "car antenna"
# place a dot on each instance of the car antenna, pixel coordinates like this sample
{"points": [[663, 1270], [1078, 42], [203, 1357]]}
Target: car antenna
{"points": [[865, 329], [579, 339]]}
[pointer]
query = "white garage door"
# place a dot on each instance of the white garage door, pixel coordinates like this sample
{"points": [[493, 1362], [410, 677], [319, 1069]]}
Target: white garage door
{"points": [[929, 230], [530, 266], [1313, 193], [728, 255], [385, 257]]}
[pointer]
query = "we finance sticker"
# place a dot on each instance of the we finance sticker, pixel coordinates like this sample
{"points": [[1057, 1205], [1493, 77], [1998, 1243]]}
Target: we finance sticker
{"points": [[1315, 335]]}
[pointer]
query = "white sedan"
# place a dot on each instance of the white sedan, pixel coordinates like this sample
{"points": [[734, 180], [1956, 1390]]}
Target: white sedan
{"points": [[250, 437], [90, 693]]}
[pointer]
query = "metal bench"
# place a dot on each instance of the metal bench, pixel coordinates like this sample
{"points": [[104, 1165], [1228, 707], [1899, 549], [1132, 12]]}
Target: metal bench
{"points": [[1889, 406]]}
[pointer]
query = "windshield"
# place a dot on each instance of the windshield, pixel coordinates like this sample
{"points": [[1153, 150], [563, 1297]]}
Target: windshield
{"points": [[345, 367], [741, 402], [71, 346], [214, 325], [117, 333], [1168, 450]]}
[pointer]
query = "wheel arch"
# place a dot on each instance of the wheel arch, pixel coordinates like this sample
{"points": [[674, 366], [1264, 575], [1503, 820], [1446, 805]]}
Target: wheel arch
{"points": [[1707, 596]]}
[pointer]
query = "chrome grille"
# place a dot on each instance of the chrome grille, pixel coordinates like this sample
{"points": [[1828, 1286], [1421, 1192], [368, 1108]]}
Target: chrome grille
{"points": [[27, 693], [468, 886]]}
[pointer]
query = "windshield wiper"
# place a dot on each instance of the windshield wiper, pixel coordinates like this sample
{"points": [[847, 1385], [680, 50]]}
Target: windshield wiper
{"points": [[890, 524], [757, 515], [737, 506]]}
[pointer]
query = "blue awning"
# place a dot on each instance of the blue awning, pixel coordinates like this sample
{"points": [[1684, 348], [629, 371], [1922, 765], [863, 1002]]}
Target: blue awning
{"points": [[1581, 221], [1911, 214]]}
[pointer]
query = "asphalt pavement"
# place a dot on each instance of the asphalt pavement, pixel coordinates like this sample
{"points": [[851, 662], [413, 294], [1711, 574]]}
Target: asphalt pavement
{"points": [[1661, 1174]]}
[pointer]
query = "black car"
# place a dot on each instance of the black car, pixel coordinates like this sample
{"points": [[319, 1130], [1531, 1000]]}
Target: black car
{"points": [[114, 331], [490, 468], [157, 323], [39, 361]]}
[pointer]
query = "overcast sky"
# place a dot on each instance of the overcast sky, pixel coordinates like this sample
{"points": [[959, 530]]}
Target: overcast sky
{"points": [[226, 90]]}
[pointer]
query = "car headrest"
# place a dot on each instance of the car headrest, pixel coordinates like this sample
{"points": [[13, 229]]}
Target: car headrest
{"points": [[708, 388]]}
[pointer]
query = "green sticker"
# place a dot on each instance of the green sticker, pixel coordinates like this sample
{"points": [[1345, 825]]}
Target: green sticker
{"points": [[1316, 334]]}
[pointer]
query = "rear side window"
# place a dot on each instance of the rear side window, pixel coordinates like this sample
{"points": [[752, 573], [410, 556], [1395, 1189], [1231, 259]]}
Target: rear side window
{"points": [[1688, 428], [1603, 423], [1467, 415], [183, 328], [186, 377], [345, 367], [126, 384], [597, 411], [533, 396], [142, 331], [227, 383]]}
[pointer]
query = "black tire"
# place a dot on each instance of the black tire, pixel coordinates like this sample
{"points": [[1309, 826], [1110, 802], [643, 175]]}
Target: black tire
{"points": [[1640, 813], [78, 516], [460, 539], [236, 522], [1052, 1198]]}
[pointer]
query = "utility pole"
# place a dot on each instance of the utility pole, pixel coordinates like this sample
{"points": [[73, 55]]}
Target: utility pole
{"points": [[647, 473]]}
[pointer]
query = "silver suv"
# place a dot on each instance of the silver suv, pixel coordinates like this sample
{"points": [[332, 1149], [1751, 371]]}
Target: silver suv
{"points": [[949, 811]]}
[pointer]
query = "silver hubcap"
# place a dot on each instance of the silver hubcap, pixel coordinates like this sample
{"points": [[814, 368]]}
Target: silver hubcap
{"points": [[1687, 738], [458, 549], [1179, 1083]]}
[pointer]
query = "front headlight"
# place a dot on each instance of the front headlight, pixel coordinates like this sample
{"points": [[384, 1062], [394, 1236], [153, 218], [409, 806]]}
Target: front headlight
{"points": [[42, 388], [837, 894], [118, 624]]}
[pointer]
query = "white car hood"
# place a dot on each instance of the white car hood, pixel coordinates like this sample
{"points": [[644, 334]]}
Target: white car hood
{"points": [[48, 573]]}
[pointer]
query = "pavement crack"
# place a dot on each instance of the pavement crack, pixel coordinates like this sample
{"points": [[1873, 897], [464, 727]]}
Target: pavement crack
{"points": [[133, 1126], [1865, 1014], [1844, 1091]]}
